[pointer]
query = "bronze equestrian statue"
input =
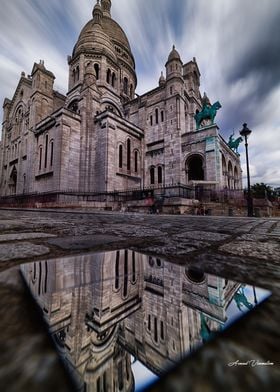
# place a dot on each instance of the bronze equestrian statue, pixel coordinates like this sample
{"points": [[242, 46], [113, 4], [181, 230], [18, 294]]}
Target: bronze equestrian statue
{"points": [[208, 111], [234, 143]]}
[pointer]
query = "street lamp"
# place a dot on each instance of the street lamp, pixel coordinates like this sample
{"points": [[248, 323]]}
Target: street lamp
{"points": [[245, 132]]}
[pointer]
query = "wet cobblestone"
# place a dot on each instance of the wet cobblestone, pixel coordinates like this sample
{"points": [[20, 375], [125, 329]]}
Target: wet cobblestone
{"points": [[243, 249]]}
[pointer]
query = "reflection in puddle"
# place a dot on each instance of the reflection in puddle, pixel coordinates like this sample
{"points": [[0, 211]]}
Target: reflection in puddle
{"points": [[120, 318]]}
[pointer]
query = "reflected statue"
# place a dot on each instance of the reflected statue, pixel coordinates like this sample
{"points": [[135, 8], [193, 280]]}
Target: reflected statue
{"points": [[241, 299]]}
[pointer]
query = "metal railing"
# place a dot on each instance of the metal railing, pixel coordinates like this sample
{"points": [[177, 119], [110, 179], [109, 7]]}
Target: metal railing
{"points": [[201, 193]]}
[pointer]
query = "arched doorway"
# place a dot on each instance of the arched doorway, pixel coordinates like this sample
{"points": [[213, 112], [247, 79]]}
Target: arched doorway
{"points": [[230, 175], [13, 180], [195, 169], [224, 172], [236, 178]]}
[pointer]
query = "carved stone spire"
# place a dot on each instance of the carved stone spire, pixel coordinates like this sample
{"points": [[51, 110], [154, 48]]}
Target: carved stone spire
{"points": [[106, 7]]}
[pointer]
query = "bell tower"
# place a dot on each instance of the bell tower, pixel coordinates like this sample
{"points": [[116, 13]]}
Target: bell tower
{"points": [[174, 65]]}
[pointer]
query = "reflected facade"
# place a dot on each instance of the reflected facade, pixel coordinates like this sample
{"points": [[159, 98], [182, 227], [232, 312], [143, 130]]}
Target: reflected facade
{"points": [[107, 310]]}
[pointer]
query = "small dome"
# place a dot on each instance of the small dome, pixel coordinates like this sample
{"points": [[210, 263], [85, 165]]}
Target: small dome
{"points": [[174, 55], [162, 80]]}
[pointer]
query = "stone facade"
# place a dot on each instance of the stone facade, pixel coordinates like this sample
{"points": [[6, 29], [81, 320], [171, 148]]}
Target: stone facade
{"points": [[99, 137]]}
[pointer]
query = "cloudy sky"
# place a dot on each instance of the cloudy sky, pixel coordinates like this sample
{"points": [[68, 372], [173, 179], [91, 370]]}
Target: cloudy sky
{"points": [[236, 44]]}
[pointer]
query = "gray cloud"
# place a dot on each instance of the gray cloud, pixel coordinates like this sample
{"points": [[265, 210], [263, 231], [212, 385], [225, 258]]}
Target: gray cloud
{"points": [[236, 44]]}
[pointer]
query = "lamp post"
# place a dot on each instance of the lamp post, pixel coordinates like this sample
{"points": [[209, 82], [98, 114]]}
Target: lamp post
{"points": [[245, 132]]}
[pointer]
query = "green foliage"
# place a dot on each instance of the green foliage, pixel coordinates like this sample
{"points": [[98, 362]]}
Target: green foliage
{"points": [[262, 191]]}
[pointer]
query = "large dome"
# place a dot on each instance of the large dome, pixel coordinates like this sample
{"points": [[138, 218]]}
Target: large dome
{"points": [[115, 32], [94, 38], [107, 32]]}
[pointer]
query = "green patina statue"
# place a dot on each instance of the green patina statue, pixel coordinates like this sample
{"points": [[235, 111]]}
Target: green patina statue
{"points": [[234, 143], [241, 299], [208, 111]]}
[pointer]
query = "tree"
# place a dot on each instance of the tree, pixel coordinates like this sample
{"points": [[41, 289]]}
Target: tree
{"points": [[262, 191]]}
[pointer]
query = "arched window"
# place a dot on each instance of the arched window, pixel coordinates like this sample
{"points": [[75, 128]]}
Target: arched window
{"points": [[160, 175], [128, 152], [149, 322], [108, 79], [46, 276], [133, 268], [46, 150], [155, 330], [96, 67], [78, 73], [195, 168], [120, 376], [98, 385], [151, 120], [117, 270], [161, 330], [125, 272], [104, 382], [125, 85], [195, 274], [74, 75], [131, 91], [24, 183], [156, 116], [162, 115], [74, 106], [127, 368], [34, 271], [120, 156], [136, 161], [51, 157], [40, 157], [152, 175], [113, 79]]}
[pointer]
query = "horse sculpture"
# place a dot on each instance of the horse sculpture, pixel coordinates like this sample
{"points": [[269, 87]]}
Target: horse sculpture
{"points": [[234, 143], [241, 299], [207, 112]]}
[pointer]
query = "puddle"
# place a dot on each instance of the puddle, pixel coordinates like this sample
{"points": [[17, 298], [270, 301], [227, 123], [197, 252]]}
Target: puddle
{"points": [[121, 319]]}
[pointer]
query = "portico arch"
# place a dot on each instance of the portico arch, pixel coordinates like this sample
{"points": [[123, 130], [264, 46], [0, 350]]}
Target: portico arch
{"points": [[230, 175], [224, 172], [13, 180], [195, 168], [236, 178]]}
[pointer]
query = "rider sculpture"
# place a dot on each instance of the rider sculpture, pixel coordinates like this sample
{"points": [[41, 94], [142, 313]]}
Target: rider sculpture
{"points": [[208, 111], [234, 143]]}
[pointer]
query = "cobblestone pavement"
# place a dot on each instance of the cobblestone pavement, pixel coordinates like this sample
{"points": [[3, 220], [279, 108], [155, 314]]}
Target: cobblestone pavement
{"points": [[242, 249]]}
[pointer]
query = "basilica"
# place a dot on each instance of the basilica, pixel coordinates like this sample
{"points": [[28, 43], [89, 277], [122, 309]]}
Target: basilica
{"points": [[101, 136]]}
